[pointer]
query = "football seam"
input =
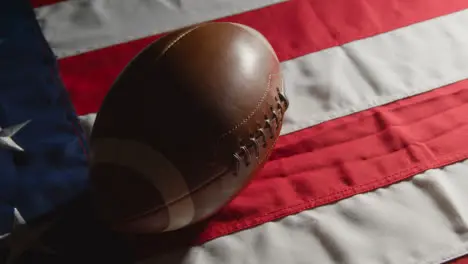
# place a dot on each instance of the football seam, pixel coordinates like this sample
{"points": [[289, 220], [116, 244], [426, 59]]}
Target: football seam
{"points": [[254, 111], [172, 43]]}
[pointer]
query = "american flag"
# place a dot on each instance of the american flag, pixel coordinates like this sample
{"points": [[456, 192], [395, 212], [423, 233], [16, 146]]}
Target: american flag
{"points": [[371, 164]]}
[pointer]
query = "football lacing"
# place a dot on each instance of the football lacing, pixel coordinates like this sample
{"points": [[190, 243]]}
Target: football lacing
{"points": [[271, 124]]}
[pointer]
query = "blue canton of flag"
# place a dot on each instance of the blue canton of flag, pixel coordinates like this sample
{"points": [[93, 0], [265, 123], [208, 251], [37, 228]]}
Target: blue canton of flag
{"points": [[43, 154]]}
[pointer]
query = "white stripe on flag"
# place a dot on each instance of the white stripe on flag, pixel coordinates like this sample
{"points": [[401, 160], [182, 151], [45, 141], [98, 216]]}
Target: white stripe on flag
{"points": [[74, 27], [424, 220], [375, 71]]}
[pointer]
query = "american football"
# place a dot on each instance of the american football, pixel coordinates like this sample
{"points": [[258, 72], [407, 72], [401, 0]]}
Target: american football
{"points": [[185, 127]]}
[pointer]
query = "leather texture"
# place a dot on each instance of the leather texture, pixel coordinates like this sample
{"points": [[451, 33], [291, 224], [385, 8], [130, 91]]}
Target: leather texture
{"points": [[185, 127]]}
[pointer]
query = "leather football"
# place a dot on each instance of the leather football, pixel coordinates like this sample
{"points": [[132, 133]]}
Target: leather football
{"points": [[185, 127]]}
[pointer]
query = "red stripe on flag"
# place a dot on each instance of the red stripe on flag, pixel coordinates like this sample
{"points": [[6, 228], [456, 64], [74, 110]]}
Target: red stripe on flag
{"points": [[341, 158], [39, 3], [462, 260], [351, 155], [294, 28]]}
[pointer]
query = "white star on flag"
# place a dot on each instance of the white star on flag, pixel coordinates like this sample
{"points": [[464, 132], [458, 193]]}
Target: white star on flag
{"points": [[6, 133], [24, 238]]}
